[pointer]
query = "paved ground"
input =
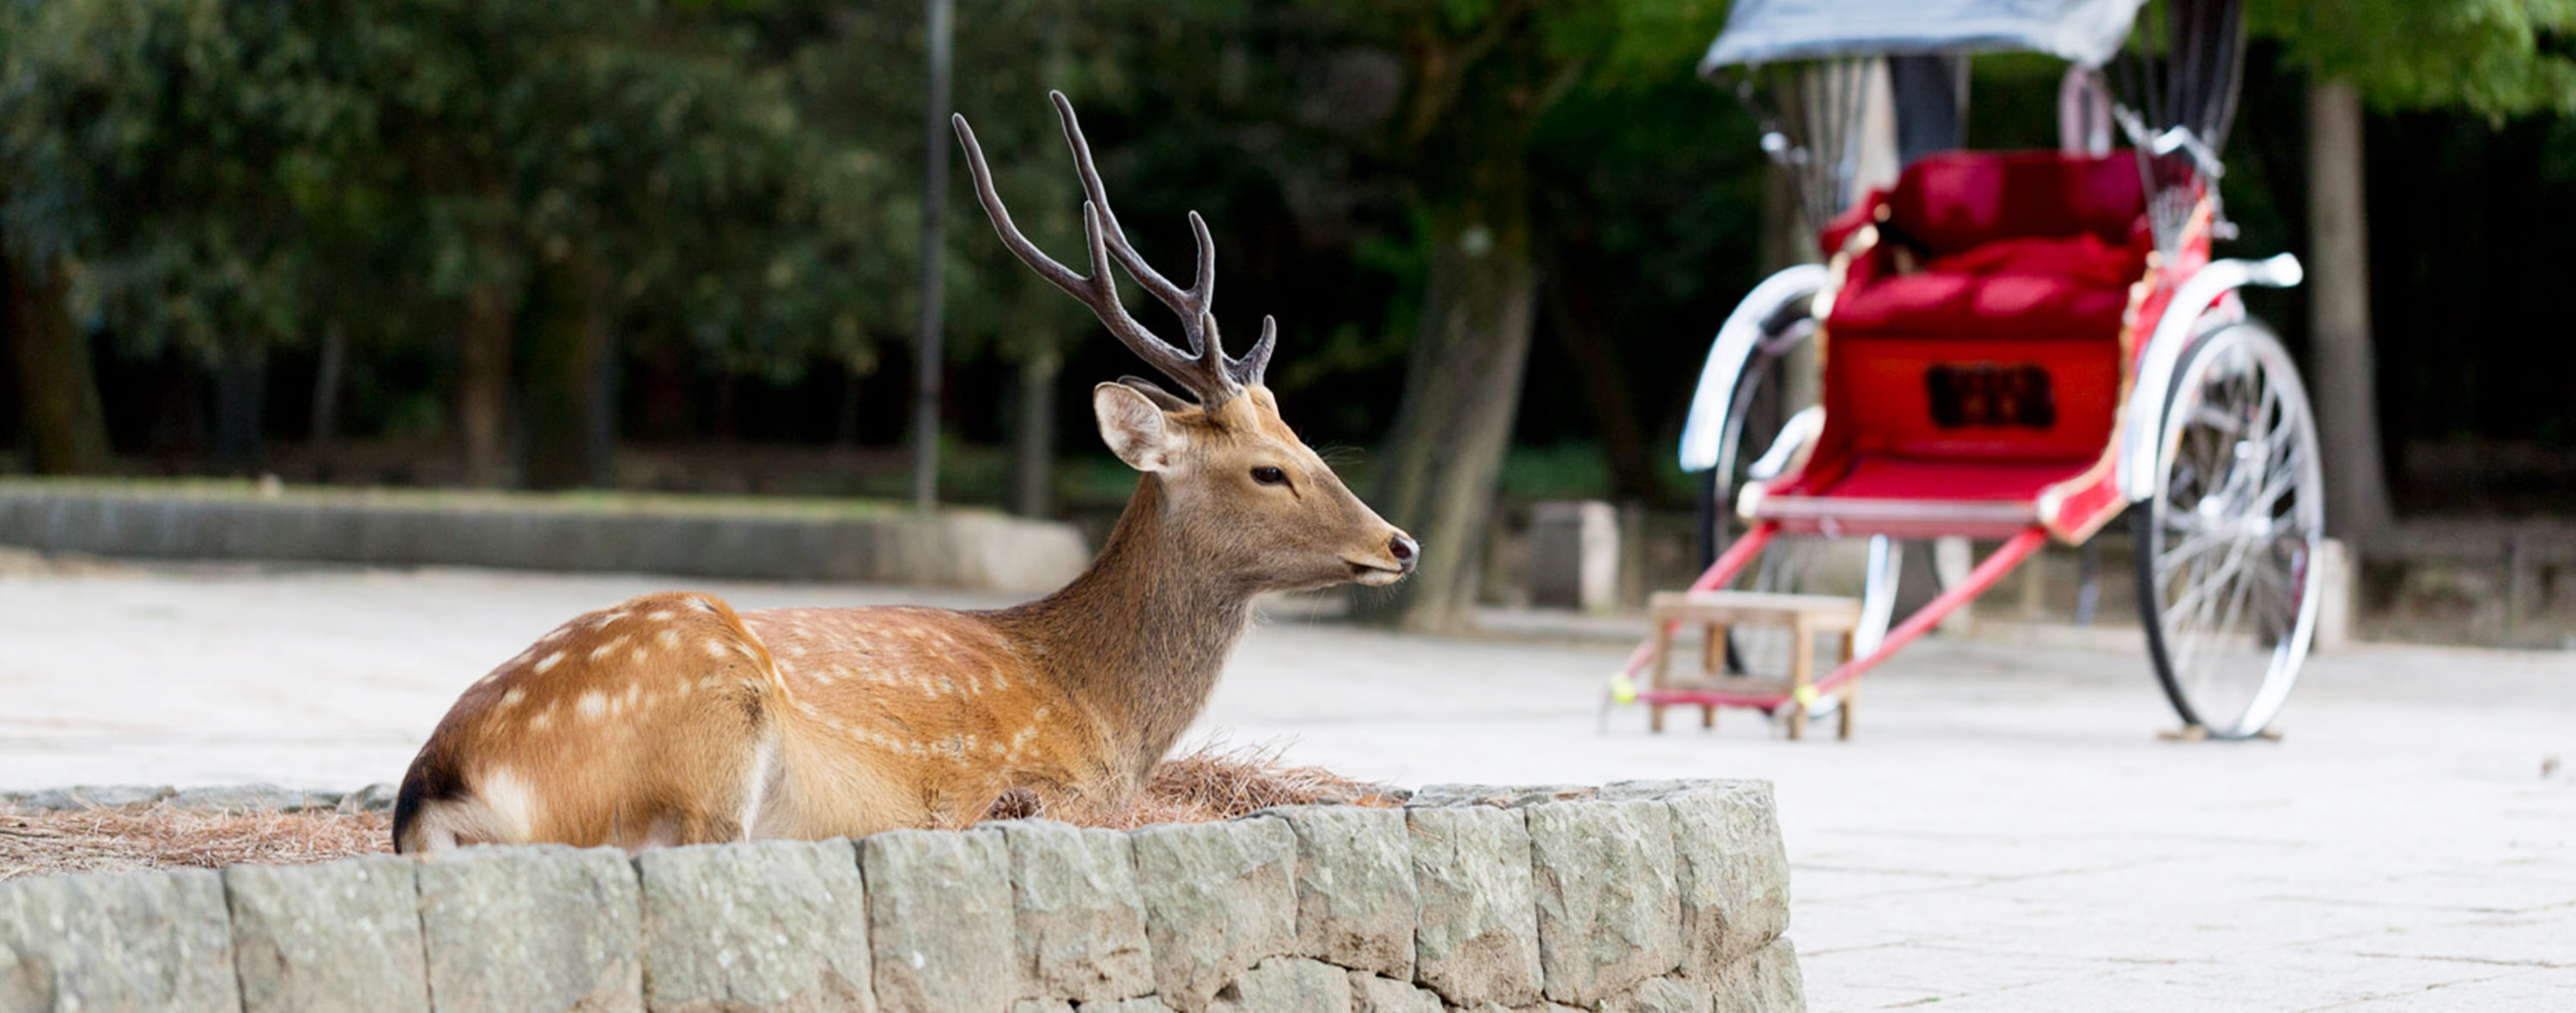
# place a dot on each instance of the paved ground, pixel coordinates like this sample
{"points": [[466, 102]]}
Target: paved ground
{"points": [[2007, 833]]}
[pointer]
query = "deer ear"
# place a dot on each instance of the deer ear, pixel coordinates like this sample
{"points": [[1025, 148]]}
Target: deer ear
{"points": [[1132, 426]]}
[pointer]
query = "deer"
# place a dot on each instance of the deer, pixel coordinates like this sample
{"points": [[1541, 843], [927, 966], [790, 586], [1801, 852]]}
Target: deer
{"points": [[672, 719]]}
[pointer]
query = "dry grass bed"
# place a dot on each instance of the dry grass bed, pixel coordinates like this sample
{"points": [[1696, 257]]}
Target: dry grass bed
{"points": [[1209, 784], [1213, 782], [157, 836]]}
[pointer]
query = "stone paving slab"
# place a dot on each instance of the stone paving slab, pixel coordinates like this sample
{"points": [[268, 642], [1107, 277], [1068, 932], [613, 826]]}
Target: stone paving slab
{"points": [[2009, 802]]}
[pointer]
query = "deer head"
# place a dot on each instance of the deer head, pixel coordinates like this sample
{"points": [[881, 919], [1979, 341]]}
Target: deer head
{"points": [[1248, 500]]}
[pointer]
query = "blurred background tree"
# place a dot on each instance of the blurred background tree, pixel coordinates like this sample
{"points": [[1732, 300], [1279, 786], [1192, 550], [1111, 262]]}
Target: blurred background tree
{"points": [[2496, 59]]}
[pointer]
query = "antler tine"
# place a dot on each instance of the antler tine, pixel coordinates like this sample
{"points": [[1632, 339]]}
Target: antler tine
{"points": [[1063, 277], [1153, 281], [1192, 305], [1100, 290], [1249, 369]]}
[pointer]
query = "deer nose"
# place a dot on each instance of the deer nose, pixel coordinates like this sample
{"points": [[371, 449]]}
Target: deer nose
{"points": [[1404, 549]]}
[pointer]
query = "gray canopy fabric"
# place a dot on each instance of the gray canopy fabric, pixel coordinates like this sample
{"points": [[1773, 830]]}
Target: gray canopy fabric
{"points": [[1763, 31]]}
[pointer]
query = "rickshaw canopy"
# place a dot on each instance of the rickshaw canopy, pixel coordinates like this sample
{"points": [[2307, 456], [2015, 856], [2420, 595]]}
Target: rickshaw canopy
{"points": [[2087, 32]]}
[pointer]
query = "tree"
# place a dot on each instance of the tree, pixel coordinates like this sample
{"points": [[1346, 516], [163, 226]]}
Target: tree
{"points": [[1478, 78], [2487, 55]]}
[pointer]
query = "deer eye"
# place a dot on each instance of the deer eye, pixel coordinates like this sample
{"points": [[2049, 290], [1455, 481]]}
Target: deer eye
{"points": [[1268, 475]]}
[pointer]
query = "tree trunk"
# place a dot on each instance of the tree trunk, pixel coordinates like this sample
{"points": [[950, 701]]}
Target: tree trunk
{"points": [[483, 381], [1586, 335], [2339, 316], [241, 402], [1033, 439], [570, 421], [327, 374], [66, 426], [1462, 388]]}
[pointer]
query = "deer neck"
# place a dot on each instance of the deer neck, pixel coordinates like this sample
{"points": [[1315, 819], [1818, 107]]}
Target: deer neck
{"points": [[1144, 632]]}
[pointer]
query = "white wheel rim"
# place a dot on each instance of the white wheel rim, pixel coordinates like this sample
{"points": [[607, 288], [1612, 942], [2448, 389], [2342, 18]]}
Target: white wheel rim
{"points": [[2235, 526]]}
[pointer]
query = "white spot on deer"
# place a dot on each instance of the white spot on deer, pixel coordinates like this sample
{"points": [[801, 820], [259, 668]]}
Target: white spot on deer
{"points": [[823, 678], [592, 705], [512, 698], [637, 655], [554, 634], [715, 648], [711, 682], [545, 719], [550, 662], [633, 691], [661, 615], [607, 620], [604, 650], [512, 802], [667, 638]]}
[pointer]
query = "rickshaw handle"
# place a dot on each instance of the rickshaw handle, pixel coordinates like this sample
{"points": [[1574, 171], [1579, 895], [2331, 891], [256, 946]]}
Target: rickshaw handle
{"points": [[2001, 562], [1734, 559]]}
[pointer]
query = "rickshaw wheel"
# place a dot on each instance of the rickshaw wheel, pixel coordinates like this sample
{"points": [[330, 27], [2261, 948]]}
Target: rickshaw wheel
{"points": [[1767, 393], [2227, 545]]}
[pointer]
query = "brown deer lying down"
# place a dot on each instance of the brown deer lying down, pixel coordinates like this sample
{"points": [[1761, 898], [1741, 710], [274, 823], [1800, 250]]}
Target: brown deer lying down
{"points": [[673, 719]]}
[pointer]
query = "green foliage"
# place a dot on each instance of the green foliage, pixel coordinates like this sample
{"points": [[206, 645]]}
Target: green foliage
{"points": [[2498, 57]]}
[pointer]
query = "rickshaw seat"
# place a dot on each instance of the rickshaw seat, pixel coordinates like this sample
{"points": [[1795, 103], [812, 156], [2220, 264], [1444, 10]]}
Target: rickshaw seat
{"points": [[1995, 275], [2003, 245]]}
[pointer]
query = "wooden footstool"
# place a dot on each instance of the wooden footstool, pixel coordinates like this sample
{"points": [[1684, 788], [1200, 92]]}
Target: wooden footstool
{"points": [[1805, 616]]}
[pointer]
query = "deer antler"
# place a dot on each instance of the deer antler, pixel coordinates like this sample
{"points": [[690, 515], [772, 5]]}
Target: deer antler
{"points": [[1205, 370]]}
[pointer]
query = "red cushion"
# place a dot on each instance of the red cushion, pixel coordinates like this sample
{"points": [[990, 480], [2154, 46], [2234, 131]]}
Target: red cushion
{"points": [[1956, 200], [2084, 258], [2017, 305]]}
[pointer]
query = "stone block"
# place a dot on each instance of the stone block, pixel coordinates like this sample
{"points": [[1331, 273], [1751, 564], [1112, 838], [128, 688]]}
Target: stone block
{"points": [[1477, 942], [144, 942], [1287, 985], [1373, 994], [546, 928], [1356, 905], [2335, 586], [1508, 796], [1607, 915], [1219, 898], [1662, 995], [1574, 555], [344, 936], [374, 798], [1139, 1004], [939, 921], [1765, 981], [774, 927], [251, 798], [86, 796], [1081, 923], [1734, 874]]}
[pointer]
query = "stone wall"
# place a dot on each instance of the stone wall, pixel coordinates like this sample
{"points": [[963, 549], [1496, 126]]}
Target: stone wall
{"points": [[1664, 897], [959, 548]]}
